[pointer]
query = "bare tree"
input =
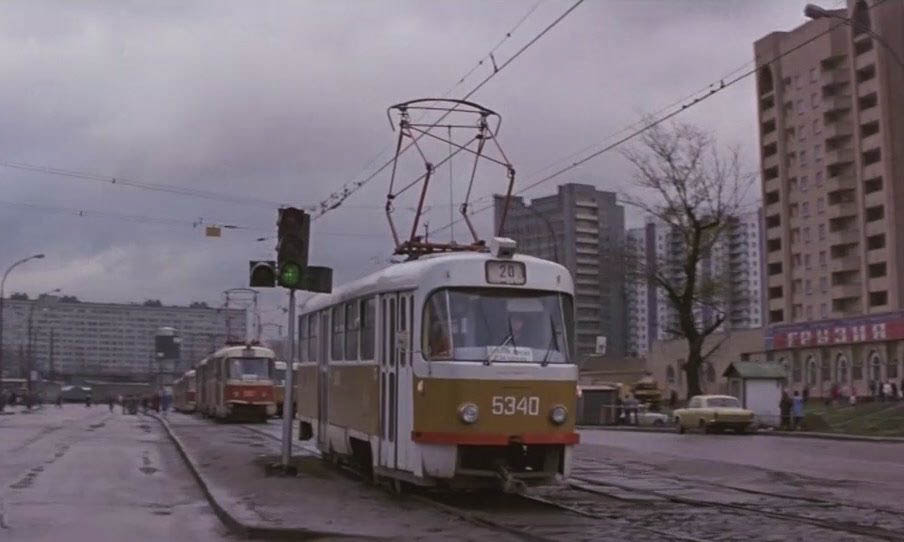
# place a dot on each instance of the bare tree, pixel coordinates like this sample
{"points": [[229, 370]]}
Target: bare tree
{"points": [[695, 193]]}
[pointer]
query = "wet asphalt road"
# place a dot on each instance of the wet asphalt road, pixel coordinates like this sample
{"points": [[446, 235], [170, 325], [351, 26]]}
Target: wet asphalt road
{"points": [[80, 473]]}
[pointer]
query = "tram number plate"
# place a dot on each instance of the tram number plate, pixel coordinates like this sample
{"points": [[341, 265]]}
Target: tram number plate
{"points": [[249, 393], [509, 405], [506, 273]]}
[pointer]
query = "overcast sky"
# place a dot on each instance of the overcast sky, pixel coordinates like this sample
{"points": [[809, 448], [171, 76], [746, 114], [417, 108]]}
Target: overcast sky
{"points": [[285, 102]]}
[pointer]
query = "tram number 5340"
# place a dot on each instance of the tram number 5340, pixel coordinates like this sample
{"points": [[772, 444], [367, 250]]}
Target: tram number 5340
{"points": [[509, 405]]}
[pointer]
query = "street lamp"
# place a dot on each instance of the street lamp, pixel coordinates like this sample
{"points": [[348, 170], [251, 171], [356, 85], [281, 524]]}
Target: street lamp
{"points": [[31, 360], [815, 12], [2, 296]]}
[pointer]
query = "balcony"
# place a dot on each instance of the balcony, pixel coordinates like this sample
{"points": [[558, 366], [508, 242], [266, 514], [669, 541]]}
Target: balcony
{"points": [[865, 59], [844, 181], [844, 237], [873, 170], [869, 115], [839, 156], [840, 209], [851, 289], [836, 77], [877, 255], [838, 103], [871, 142], [868, 87], [838, 129], [850, 262], [770, 161]]}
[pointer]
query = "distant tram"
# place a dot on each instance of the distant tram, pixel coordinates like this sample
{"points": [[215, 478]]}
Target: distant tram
{"points": [[452, 370], [279, 381], [236, 382], [184, 392]]}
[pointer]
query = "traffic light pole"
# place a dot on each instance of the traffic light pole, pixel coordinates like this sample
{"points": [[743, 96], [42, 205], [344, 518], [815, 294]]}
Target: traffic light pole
{"points": [[287, 410]]}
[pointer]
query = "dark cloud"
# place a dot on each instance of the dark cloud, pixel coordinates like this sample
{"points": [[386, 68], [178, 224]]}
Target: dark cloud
{"points": [[286, 101]]}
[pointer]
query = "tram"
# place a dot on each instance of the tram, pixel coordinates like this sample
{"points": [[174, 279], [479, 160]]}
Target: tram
{"points": [[454, 370], [236, 382], [184, 391], [279, 381]]}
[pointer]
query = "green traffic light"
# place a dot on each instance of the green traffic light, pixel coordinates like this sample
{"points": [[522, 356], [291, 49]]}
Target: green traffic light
{"points": [[290, 275]]}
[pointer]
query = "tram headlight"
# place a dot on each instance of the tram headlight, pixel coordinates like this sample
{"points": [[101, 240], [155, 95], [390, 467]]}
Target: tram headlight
{"points": [[558, 414], [468, 412]]}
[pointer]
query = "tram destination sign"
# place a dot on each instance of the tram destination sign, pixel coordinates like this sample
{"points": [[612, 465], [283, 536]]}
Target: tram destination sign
{"points": [[883, 327]]}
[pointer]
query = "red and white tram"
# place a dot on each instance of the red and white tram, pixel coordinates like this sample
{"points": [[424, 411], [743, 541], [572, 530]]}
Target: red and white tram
{"points": [[236, 382]]}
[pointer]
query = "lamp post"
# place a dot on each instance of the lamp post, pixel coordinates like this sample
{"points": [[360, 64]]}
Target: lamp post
{"points": [[815, 12], [31, 359], [2, 296]]}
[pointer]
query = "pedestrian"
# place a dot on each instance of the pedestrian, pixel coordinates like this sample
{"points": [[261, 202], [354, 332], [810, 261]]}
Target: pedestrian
{"points": [[632, 405], [797, 411], [144, 405], [59, 401], [886, 391], [619, 410], [784, 406], [88, 400], [110, 403], [806, 394], [673, 400], [852, 399], [836, 393]]}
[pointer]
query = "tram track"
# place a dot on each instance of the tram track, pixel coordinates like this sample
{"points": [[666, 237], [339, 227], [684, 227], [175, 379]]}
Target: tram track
{"points": [[621, 507], [596, 486]]}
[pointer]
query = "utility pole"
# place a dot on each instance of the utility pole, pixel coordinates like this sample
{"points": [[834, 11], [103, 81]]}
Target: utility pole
{"points": [[287, 410]]}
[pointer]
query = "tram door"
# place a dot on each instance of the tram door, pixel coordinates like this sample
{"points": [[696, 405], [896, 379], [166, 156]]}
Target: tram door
{"points": [[395, 379], [323, 381], [388, 384]]}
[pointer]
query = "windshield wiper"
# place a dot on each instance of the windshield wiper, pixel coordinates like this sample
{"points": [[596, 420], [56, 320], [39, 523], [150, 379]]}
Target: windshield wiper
{"points": [[553, 340], [508, 338]]}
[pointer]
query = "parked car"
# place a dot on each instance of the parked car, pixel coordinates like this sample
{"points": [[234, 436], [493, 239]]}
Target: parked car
{"points": [[647, 417], [713, 413]]}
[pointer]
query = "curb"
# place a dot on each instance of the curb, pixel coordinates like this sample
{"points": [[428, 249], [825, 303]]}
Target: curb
{"points": [[785, 434], [249, 530]]}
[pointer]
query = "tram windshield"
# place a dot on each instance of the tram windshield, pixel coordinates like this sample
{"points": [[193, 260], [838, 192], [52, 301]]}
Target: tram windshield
{"points": [[249, 368], [279, 376], [498, 325]]}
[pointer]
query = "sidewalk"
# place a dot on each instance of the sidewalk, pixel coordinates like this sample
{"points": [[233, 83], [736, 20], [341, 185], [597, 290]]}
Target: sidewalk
{"points": [[792, 434], [229, 461]]}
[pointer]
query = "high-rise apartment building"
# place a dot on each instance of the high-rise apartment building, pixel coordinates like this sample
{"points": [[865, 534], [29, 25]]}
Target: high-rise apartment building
{"points": [[583, 229], [734, 263], [831, 120], [108, 339], [831, 114]]}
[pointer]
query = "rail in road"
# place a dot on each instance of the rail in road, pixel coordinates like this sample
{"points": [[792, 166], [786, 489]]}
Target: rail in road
{"points": [[591, 504]]}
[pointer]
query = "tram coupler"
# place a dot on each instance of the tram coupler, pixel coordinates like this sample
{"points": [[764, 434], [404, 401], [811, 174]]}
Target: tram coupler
{"points": [[510, 484]]}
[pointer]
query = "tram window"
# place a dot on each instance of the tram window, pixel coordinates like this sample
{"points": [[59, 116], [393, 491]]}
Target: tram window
{"points": [[368, 313], [390, 337], [312, 337], [338, 338], [302, 337], [383, 341], [351, 331], [436, 343], [411, 329], [403, 326]]}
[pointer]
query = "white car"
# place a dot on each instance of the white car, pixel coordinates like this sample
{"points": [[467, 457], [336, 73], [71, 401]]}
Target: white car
{"points": [[656, 419]]}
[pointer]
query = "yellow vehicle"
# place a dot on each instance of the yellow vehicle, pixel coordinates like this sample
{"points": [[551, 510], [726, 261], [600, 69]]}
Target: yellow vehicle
{"points": [[453, 370], [713, 413]]}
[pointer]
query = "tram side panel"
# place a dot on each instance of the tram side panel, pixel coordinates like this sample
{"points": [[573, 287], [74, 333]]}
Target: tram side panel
{"points": [[306, 400], [357, 414]]}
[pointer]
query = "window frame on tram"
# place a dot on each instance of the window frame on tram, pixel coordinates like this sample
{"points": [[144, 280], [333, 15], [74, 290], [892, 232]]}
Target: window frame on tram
{"points": [[337, 333]]}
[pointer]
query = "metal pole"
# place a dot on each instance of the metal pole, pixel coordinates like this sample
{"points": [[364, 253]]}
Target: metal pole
{"points": [[287, 410]]}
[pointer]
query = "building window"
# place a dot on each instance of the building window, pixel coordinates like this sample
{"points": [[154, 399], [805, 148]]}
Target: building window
{"points": [[823, 284], [875, 366], [808, 289], [811, 370], [809, 311], [803, 185], [820, 206], [822, 232], [807, 259], [818, 177], [822, 259], [805, 212], [857, 370], [816, 127], [800, 106], [801, 133], [813, 76], [796, 371], [823, 310], [817, 152], [891, 371], [803, 158]]}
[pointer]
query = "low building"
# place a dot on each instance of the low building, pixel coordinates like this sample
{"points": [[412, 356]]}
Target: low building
{"points": [[759, 388]]}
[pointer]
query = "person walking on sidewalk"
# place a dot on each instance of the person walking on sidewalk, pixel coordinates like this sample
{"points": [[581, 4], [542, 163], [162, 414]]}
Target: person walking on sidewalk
{"points": [[784, 406], [797, 411]]}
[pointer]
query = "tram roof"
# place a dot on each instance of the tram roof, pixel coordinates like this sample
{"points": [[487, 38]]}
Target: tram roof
{"points": [[239, 351], [409, 275]]}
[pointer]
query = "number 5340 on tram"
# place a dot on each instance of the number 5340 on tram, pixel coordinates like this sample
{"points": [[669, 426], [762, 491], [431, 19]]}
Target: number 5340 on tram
{"points": [[454, 369]]}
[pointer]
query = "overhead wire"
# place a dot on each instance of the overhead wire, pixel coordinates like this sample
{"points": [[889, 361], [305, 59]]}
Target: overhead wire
{"points": [[645, 125]]}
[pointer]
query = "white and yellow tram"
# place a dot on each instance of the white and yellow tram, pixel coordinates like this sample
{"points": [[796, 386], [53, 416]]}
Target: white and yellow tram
{"points": [[454, 369], [184, 392], [236, 382]]}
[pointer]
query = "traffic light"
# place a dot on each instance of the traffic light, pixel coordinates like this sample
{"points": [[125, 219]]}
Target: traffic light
{"points": [[293, 232], [263, 274]]}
